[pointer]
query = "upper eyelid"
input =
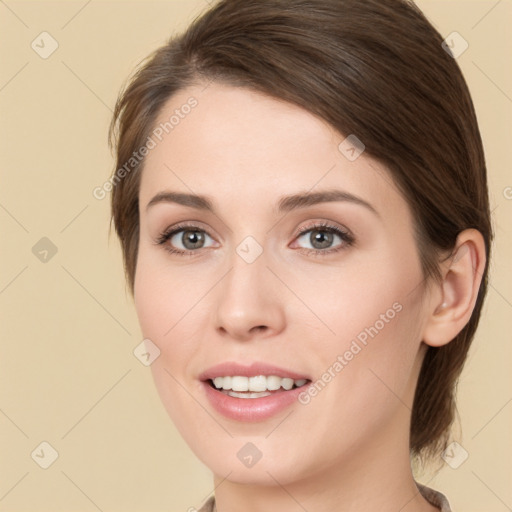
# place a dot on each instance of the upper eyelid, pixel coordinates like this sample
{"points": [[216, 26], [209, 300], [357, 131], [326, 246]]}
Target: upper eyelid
{"points": [[315, 224], [326, 225]]}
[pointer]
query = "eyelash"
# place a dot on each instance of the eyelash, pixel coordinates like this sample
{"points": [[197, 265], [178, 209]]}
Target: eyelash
{"points": [[348, 239]]}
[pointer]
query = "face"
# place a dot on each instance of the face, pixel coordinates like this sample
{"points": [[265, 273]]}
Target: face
{"points": [[323, 289]]}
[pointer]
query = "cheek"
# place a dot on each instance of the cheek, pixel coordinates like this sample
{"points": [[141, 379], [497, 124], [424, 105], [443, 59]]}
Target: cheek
{"points": [[362, 302], [374, 314], [365, 372], [164, 306], [150, 301], [163, 302]]}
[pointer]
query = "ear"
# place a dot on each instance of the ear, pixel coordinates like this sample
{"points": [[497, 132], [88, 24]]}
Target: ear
{"points": [[462, 275]]}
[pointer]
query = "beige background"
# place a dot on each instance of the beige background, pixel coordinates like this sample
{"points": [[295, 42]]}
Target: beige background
{"points": [[68, 375]]}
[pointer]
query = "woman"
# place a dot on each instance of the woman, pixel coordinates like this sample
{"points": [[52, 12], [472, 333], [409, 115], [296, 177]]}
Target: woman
{"points": [[301, 199]]}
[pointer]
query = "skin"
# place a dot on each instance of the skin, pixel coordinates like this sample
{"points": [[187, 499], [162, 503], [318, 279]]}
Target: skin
{"points": [[347, 450]]}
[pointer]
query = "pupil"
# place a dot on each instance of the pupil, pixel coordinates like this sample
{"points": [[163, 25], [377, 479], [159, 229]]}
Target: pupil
{"points": [[193, 239], [322, 237]]}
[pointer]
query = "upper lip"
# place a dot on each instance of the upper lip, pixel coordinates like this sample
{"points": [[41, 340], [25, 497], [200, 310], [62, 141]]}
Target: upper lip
{"points": [[232, 369]]}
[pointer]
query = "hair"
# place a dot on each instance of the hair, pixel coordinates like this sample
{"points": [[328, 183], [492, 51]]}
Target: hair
{"points": [[373, 68]]}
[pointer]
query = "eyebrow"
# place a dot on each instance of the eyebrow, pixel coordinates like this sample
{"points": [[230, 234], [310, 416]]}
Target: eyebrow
{"points": [[284, 205]]}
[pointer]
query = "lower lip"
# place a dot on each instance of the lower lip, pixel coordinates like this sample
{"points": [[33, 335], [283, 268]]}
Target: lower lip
{"points": [[251, 409]]}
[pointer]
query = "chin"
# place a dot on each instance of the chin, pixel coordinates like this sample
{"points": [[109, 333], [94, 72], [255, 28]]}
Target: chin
{"points": [[243, 459]]}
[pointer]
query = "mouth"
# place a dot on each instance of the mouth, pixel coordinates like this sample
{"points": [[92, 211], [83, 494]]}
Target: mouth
{"points": [[258, 386], [252, 392]]}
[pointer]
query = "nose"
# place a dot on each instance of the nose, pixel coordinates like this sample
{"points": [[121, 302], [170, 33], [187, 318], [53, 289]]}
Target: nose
{"points": [[249, 301]]}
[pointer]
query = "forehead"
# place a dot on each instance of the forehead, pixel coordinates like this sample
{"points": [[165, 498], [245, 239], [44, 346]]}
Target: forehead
{"points": [[238, 144]]}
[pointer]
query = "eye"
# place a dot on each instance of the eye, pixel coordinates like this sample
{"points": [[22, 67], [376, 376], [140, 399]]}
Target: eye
{"points": [[321, 238], [184, 239], [187, 239]]}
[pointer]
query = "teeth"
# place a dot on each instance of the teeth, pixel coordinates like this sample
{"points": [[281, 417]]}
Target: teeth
{"points": [[287, 384], [227, 383], [258, 384], [273, 383], [239, 383], [245, 395], [219, 381]]}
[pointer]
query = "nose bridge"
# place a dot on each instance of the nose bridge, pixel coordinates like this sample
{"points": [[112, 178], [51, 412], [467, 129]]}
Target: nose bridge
{"points": [[246, 302], [246, 280], [247, 262]]}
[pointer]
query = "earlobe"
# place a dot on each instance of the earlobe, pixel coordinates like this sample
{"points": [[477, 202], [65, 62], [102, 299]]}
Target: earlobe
{"points": [[462, 277]]}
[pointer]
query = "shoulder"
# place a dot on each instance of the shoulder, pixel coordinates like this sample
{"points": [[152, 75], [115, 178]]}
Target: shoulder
{"points": [[207, 506], [434, 497]]}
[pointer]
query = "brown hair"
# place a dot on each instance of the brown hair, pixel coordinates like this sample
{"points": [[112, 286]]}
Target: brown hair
{"points": [[373, 68]]}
